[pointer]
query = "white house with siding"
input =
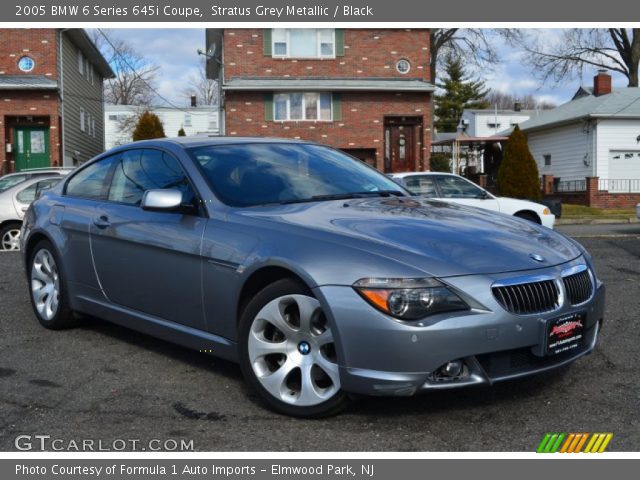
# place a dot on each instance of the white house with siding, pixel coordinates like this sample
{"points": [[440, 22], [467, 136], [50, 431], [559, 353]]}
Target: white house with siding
{"points": [[489, 122], [194, 120], [596, 134]]}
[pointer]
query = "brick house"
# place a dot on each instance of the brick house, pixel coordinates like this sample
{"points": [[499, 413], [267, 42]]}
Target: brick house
{"points": [[365, 91], [51, 103]]}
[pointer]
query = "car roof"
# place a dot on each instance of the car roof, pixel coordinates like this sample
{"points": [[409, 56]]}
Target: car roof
{"points": [[211, 140], [412, 174], [20, 186], [41, 171]]}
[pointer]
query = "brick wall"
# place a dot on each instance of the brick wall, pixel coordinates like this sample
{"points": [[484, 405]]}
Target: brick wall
{"points": [[367, 53], [592, 196], [38, 43], [361, 126]]}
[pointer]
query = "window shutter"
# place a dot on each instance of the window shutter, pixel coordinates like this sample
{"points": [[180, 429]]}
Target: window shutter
{"points": [[266, 38], [339, 42], [336, 106], [268, 106]]}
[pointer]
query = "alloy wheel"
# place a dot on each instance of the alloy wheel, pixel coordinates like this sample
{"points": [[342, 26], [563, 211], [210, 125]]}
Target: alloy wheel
{"points": [[45, 284], [292, 351], [11, 239]]}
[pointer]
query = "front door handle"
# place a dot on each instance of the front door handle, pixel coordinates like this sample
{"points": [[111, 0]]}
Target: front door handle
{"points": [[102, 221]]}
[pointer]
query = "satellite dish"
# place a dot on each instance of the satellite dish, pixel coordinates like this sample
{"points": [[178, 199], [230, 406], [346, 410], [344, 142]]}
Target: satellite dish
{"points": [[211, 51]]}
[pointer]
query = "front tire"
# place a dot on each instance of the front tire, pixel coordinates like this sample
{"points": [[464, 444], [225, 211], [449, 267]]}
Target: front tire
{"points": [[532, 217], [288, 354], [47, 288]]}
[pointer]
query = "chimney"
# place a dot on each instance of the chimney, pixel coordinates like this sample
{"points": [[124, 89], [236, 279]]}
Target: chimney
{"points": [[517, 106], [194, 101], [601, 83]]}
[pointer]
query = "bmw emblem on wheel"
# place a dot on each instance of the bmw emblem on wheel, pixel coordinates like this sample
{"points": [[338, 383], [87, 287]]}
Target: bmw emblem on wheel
{"points": [[536, 257], [304, 348]]}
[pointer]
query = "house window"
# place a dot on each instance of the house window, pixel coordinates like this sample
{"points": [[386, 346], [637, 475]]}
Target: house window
{"points": [[82, 122], [403, 66], [547, 160], [93, 127], [26, 64], [187, 119], [493, 125], [302, 106], [80, 62], [213, 121], [113, 118], [303, 42]]}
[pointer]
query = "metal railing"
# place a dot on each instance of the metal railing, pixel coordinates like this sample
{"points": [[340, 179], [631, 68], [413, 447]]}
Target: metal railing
{"points": [[623, 185], [570, 186]]}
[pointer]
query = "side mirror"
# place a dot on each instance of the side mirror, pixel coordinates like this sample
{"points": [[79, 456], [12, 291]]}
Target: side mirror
{"points": [[483, 195], [162, 200]]}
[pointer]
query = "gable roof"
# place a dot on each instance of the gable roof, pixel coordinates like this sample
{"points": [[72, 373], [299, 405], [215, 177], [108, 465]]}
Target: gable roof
{"points": [[621, 103]]}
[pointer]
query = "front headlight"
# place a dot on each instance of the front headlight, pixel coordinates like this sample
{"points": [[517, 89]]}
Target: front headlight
{"points": [[409, 298]]}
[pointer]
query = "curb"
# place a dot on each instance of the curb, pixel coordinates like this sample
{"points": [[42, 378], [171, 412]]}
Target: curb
{"points": [[596, 221]]}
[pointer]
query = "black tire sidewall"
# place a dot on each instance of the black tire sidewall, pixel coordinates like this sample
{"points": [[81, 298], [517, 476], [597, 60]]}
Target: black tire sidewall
{"points": [[278, 289]]}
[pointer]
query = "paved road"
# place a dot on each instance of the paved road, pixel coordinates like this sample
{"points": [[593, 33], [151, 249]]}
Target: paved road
{"points": [[622, 230], [104, 382]]}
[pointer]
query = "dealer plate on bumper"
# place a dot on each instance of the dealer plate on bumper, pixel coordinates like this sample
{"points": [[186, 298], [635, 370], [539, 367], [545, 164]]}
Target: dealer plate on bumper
{"points": [[564, 333]]}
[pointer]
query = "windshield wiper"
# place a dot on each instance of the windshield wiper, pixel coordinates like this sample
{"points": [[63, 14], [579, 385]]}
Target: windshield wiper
{"points": [[345, 196]]}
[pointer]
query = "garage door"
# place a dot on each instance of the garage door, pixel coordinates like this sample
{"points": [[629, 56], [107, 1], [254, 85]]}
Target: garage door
{"points": [[624, 171]]}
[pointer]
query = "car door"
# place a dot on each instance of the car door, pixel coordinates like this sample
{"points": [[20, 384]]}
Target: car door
{"points": [[459, 190], [149, 261]]}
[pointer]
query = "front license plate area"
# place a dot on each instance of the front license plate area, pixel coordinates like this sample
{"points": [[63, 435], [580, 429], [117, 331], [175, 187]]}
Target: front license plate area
{"points": [[564, 333]]}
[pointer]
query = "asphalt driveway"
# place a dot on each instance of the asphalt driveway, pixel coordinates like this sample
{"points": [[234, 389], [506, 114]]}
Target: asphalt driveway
{"points": [[103, 382]]}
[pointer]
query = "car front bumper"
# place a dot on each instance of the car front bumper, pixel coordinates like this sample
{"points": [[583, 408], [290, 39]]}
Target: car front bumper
{"points": [[379, 355]]}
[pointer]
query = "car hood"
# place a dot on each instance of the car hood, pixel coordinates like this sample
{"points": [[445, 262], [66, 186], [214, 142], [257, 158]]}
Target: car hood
{"points": [[441, 239]]}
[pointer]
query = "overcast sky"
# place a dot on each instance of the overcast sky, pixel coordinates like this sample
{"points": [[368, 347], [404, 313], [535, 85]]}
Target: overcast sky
{"points": [[175, 51]]}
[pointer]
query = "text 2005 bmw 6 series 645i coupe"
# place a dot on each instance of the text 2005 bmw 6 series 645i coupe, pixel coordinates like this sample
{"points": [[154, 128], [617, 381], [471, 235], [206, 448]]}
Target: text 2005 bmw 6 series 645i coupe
{"points": [[319, 275]]}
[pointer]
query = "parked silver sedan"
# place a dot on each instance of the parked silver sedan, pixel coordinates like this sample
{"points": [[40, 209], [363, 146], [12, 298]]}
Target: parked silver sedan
{"points": [[318, 274], [14, 202]]}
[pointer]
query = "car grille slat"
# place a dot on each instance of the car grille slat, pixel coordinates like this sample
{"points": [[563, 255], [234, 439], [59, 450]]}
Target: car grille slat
{"points": [[528, 298], [579, 287]]}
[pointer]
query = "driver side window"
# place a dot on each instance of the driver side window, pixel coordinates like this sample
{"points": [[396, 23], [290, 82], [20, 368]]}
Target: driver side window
{"points": [[140, 170], [456, 187]]}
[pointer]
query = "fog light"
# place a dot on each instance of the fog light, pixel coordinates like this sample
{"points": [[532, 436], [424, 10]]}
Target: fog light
{"points": [[452, 369]]}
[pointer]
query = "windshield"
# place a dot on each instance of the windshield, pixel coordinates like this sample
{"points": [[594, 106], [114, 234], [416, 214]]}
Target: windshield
{"points": [[262, 173]]}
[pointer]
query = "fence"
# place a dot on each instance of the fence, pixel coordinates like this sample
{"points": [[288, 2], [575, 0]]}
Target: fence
{"points": [[593, 191], [625, 185]]}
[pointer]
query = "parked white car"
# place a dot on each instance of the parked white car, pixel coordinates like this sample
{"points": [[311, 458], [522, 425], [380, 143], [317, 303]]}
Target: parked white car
{"points": [[456, 189], [14, 202]]}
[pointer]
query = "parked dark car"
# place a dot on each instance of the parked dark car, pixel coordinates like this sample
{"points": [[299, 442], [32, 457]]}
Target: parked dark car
{"points": [[319, 275]]}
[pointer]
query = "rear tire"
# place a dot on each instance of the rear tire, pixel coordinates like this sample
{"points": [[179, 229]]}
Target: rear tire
{"points": [[287, 352], [47, 288], [10, 237], [532, 217]]}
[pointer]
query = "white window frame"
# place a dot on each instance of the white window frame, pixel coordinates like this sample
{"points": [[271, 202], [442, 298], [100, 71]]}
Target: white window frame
{"points": [[188, 121], [80, 62], [93, 127], [82, 120], [303, 106], [318, 55]]}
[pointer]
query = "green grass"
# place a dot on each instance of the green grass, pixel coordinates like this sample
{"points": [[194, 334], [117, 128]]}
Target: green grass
{"points": [[569, 210]]}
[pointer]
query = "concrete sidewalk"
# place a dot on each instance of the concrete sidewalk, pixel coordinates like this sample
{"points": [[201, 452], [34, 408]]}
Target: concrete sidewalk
{"points": [[596, 220]]}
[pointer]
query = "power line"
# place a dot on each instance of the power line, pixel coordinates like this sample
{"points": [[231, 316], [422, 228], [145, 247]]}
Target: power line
{"points": [[138, 77]]}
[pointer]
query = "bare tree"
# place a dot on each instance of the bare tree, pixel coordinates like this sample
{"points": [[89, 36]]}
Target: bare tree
{"points": [[616, 49], [135, 76], [475, 45], [205, 89], [505, 101]]}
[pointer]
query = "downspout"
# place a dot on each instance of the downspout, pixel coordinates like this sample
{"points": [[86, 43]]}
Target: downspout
{"points": [[61, 94]]}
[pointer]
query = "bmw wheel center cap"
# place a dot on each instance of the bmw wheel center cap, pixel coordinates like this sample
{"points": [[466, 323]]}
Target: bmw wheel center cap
{"points": [[304, 348]]}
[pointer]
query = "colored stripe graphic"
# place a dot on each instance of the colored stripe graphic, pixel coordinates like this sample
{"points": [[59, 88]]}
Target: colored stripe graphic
{"points": [[554, 442]]}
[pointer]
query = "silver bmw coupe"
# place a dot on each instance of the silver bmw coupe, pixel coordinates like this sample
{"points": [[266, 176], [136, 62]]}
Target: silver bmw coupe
{"points": [[319, 275]]}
